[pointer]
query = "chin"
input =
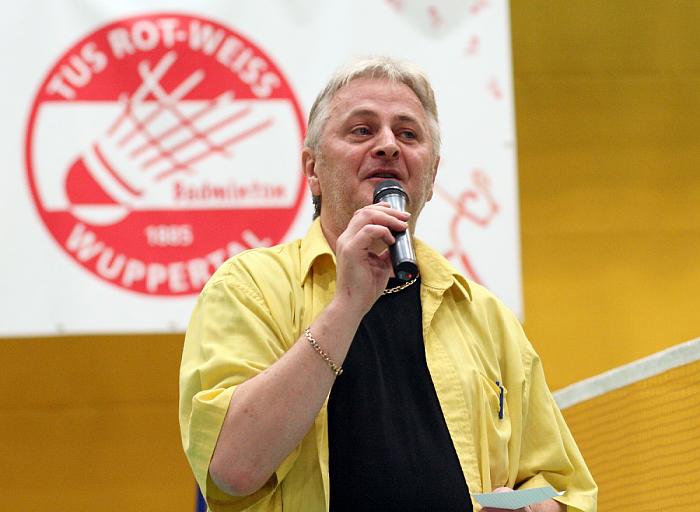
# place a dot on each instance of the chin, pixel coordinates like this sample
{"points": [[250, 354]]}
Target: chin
{"points": [[365, 197]]}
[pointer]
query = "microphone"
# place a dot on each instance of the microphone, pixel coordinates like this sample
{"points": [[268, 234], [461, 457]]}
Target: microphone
{"points": [[403, 256]]}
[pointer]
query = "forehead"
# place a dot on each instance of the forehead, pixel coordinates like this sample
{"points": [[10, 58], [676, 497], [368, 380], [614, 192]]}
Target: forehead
{"points": [[373, 96]]}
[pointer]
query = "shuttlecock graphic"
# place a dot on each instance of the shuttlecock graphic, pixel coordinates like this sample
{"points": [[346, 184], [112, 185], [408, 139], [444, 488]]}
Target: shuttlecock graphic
{"points": [[156, 136]]}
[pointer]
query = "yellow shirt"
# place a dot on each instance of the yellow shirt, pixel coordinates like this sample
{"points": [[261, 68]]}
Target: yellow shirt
{"points": [[256, 306]]}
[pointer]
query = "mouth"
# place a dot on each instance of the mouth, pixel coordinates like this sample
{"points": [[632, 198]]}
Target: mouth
{"points": [[383, 174]]}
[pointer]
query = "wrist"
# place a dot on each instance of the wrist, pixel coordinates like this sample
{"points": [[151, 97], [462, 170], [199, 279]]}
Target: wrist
{"points": [[345, 314], [349, 306], [330, 335]]}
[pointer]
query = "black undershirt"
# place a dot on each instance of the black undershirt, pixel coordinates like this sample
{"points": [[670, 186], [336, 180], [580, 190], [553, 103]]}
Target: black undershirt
{"points": [[388, 442]]}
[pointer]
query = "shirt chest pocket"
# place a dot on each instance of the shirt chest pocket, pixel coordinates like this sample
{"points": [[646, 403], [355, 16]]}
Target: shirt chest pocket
{"points": [[494, 428]]}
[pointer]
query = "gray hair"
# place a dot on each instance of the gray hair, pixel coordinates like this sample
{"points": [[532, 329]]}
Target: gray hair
{"points": [[375, 67], [395, 71]]}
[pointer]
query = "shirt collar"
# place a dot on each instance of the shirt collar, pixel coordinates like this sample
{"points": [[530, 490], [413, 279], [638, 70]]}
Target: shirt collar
{"points": [[313, 246], [436, 272]]}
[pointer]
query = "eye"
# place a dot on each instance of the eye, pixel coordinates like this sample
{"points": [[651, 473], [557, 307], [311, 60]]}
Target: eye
{"points": [[360, 130], [408, 134]]}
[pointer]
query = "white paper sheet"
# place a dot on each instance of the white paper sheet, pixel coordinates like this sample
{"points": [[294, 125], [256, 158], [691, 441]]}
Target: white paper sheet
{"points": [[516, 499]]}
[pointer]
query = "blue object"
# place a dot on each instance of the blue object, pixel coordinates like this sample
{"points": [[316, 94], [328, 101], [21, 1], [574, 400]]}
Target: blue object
{"points": [[500, 400], [201, 505]]}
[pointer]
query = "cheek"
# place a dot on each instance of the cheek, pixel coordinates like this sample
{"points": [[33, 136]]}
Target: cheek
{"points": [[424, 183], [333, 184], [423, 167]]}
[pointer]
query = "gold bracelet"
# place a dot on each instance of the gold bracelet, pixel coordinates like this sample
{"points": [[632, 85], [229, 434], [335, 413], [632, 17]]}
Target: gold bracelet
{"points": [[334, 367]]}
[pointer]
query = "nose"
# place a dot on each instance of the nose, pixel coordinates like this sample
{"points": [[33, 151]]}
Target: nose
{"points": [[386, 146]]}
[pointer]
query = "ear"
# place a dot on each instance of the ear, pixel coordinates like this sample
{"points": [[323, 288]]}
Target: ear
{"points": [[432, 181], [308, 164]]}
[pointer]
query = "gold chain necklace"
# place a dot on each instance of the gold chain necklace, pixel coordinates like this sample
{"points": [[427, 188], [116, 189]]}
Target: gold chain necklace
{"points": [[400, 287]]}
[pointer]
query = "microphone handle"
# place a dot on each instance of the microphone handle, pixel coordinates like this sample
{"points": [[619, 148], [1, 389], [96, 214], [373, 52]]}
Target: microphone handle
{"points": [[402, 253]]}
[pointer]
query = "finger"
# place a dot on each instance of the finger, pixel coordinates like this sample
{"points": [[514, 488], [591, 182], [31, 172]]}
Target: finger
{"points": [[379, 216], [378, 247], [387, 207], [370, 240], [373, 235], [380, 261]]}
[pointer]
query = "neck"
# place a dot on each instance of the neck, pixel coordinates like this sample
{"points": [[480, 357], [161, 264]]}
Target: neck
{"points": [[330, 235]]}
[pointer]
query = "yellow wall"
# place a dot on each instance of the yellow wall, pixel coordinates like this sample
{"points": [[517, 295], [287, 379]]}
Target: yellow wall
{"points": [[608, 122], [90, 423]]}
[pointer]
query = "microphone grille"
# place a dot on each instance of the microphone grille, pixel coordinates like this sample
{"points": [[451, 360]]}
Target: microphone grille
{"points": [[386, 187]]}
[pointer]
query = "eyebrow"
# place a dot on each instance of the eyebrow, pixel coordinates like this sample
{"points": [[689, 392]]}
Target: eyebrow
{"points": [[372, 113]]}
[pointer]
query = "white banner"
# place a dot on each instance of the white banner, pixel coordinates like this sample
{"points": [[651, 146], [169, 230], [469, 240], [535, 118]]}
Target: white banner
{"points": [[144, 143]]}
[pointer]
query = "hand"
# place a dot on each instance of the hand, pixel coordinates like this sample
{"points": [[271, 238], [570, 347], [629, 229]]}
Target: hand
{"points": [[363, 261]]}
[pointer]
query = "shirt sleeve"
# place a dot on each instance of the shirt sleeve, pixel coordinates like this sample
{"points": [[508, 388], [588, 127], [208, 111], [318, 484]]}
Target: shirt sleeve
{"points": [[549, 453], [232, 336]]}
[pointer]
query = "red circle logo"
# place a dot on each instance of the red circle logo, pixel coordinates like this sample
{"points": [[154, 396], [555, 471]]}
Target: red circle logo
{"points": [[160, 145]]}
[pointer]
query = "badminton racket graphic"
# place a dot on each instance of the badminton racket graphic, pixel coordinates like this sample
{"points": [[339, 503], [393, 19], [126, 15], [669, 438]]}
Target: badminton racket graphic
{"points": [[156, 136]]}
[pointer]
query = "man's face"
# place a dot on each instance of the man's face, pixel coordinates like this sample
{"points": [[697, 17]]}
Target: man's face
{"points": [[376, 130]]}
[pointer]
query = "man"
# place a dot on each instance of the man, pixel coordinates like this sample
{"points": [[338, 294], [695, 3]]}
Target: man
{"points": [[311, 378]]}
